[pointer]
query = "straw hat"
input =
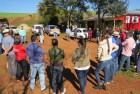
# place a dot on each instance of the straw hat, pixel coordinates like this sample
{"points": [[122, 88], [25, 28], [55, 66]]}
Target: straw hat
{"points": [[115, 33], [5, 31]]}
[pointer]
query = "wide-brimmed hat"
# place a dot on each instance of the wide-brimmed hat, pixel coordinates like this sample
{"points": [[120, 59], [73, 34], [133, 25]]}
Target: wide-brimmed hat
{"points": [[5, 31], [116, 33]]}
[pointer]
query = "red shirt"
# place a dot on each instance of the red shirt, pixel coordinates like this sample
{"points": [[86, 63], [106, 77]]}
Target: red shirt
{"points": [[90, 33], [20, 52], [123, 36]]}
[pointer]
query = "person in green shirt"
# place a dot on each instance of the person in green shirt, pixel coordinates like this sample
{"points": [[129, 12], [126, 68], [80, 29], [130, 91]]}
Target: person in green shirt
{"points": [[56, 66]]}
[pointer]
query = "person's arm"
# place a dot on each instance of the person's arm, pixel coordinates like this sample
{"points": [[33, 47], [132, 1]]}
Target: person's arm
{"points": [[124, 43], [74, 57], [115, 47], [99, 52]]}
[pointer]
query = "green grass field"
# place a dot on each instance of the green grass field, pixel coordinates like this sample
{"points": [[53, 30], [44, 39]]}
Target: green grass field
{"points": [[13, 15]]}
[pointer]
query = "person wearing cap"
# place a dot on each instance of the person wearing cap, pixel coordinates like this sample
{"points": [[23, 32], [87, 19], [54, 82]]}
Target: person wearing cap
{"points": [[97, 35], [127, 47], [22, 34], [7, 45], [56, 67], [116, 53]]}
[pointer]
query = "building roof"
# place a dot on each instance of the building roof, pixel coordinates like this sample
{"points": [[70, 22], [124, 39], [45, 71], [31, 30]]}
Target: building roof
{"points": [[133, 12]]}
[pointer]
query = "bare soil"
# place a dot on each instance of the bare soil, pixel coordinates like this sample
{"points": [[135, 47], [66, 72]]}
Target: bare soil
{"points": [[121, 84]]}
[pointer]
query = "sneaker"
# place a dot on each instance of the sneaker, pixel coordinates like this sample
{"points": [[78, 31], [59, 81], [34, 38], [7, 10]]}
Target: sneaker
{"points": [[104, 87], [64, 91], [44, 89], [98, 87], [108, 83]]}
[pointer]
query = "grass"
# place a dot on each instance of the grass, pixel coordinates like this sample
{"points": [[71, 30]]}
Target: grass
{"points": [[130, 73], [13, 15]]}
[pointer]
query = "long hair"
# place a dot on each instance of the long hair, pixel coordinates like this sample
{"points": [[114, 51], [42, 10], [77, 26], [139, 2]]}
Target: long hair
{"points": [[82, 43]]}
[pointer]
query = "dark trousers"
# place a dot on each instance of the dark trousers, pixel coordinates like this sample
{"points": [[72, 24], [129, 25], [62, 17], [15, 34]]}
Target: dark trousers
{"points": [[0, 48], [57, 77], [138, 65], [22, 69], [82, 76]]}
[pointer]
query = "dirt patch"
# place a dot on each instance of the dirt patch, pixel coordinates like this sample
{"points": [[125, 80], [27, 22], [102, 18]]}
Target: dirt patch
{"points": [[121, 84]]}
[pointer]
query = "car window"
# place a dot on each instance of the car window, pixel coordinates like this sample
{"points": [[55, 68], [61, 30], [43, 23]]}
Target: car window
{"points": [[7, 27], [14, 27], [84, 30], [37, 27], [79, 31], [52, 27]]}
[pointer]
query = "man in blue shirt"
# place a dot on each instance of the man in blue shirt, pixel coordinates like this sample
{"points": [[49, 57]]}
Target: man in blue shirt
{"points": [[36, 56], [68, 31], [22, 34]]}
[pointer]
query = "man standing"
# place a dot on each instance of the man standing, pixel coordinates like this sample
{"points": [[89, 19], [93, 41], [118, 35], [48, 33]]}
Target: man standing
{"points": [[56, 67], [22, 34], [41, 33], [89, 34], [36, 56], [75, 33], [127, 45], [68, 31], [97, 35], [7, 45]]}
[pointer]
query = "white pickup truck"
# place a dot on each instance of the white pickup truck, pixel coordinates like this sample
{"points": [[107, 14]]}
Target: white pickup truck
{"points": [[35, 28]]}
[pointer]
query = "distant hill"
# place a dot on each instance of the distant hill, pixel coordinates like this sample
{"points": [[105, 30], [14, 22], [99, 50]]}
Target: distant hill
{"points": [[13, 15], [20, 18]]}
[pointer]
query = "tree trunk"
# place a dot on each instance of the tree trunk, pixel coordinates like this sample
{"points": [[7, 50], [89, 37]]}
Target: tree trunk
{"points": [[99, 18]]}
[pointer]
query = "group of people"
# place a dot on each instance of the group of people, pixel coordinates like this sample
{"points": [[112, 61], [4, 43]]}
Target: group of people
{"points": [[112, 46]]}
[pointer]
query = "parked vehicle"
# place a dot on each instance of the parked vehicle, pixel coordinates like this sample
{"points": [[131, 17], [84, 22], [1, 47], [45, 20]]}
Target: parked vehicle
{"points": [[80, 32], [14, 28], [51, 29], [35, 28]]}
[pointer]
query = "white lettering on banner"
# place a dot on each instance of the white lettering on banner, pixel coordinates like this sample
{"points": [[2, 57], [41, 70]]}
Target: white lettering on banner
{"points": [[127, 19], [135, 19]]}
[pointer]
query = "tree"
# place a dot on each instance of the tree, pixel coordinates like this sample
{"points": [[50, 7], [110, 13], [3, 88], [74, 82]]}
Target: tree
{"points": [[112, 7], [117, 8], [63, 10]]}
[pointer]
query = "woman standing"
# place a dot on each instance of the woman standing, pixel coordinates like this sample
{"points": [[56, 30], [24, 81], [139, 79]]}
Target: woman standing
{"points": [[81, 63]]}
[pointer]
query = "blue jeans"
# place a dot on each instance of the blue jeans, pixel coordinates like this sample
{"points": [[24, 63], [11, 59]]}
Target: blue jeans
{"points": [[0, 48], [113, 68], [55, 35], [138, 65], [57, 76], [40, 69], [123, 59], [23, 39], [103, 65], [82, 76]]}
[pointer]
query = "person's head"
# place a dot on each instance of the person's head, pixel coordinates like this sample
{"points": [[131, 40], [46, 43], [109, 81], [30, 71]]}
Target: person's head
{"points": [[5, 32], [22, 27], [54, 42], [82, 45], [108, 33], [82, 42], [89, 28], [129, 34], [138, 37], [17, 41], [33, 38], [115, 34]]}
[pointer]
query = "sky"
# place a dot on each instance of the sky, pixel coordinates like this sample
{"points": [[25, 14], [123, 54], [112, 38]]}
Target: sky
{"points": [[30, 6]]}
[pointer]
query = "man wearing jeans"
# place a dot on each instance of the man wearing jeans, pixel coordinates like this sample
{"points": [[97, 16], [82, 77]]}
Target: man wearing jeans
{"points": [[127, 45], [36, 56], [56, 67], [22, 34], [7, 45]]}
